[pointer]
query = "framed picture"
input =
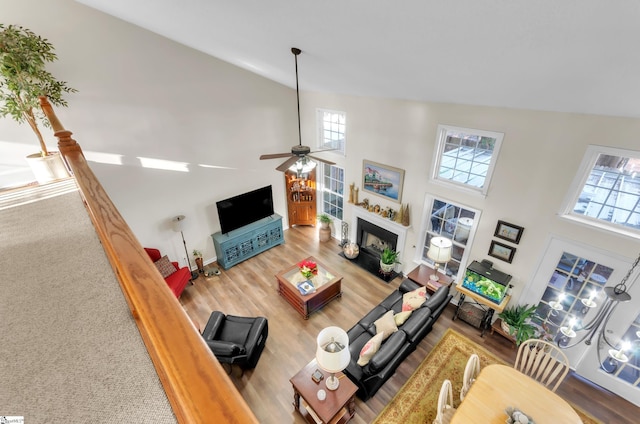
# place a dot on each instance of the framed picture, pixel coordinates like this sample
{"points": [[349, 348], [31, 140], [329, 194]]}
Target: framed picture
{"points": [[501, 251], [382, 180], [507, 231]]}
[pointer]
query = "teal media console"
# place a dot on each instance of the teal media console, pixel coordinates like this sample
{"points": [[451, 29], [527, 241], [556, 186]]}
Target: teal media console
{"points": [[243, 243]]}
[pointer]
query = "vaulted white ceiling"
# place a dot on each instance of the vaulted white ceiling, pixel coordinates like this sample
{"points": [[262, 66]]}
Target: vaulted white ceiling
{"points": [[558, 55]]}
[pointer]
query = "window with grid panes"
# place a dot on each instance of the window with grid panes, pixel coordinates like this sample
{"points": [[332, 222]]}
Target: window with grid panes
{"points": [[574, 278], [452, 221], [608, 192], [466, 157], [331, 127], [333, 191]]}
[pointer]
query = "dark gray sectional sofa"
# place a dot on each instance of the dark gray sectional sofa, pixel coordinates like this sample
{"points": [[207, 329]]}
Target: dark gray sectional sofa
{"points": [[399, 345]]}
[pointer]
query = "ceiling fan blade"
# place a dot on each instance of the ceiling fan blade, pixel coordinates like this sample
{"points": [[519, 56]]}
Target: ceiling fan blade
{"points": [[275, 156], [287, 163], [328, 162]]}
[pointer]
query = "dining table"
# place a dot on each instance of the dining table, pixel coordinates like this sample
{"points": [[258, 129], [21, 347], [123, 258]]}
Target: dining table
{"points": [[499, 387]]}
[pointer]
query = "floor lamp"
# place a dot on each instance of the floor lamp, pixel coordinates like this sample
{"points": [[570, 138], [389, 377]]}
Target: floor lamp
{"points": [[178, 225]]}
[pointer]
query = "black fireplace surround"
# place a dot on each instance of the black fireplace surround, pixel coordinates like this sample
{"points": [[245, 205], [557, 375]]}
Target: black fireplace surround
{"points": [[372, 240]]}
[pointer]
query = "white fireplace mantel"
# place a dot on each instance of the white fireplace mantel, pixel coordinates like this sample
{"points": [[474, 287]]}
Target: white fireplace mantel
{"points": [[397, 229]]}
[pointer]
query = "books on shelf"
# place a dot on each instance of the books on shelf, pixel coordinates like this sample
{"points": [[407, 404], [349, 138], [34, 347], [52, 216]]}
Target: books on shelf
{"points": [[306, 287]]}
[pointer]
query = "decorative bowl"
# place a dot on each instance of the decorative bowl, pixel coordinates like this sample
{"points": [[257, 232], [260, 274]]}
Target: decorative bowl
{"points": [[351, 250]]}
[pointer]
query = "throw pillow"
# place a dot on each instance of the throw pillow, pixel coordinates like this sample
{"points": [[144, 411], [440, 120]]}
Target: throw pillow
{"points": [[370, 349], [401, 317], [386, 324], [165, 266], [414, 299]]}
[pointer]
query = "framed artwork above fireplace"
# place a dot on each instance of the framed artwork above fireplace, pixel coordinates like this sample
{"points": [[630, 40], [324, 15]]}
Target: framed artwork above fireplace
{"points": [[382, 180]]}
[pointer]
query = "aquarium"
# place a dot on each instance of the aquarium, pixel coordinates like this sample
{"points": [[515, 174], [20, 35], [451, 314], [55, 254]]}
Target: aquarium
{"points": [[483, 279]]}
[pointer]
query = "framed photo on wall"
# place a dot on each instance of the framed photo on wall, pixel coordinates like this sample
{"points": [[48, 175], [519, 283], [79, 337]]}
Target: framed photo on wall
{"points": [[501, 251], [382, 180], [507, 231]]}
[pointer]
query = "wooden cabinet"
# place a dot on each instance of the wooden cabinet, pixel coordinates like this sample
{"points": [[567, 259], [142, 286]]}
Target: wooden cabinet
{"points": [[245, 242], [301, 198]]}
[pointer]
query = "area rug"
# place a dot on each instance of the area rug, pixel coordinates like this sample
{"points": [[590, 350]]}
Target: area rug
{"points": [[417, 399]]}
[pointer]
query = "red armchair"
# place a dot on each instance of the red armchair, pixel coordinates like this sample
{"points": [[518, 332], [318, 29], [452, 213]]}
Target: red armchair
{"points": [[176, 279]]}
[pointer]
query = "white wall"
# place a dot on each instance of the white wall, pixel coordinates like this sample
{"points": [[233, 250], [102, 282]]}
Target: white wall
{"points": [[540, 155], [144, 96], [141, 95]]}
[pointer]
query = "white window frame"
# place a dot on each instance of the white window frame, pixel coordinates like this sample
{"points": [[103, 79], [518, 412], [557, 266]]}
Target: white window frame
{"points": [[322, 144], [588, 162], [441, 139], [425, 227], [325, 189]]}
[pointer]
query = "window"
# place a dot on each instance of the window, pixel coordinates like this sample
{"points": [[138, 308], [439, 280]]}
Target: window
{"points": [[606, 191], [573, 279], [466, 157], [331, 130], [455, 222], [332, 190]]}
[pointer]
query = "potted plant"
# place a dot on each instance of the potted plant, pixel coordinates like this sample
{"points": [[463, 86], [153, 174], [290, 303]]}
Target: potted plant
{"points": [[325, 230], [325, 220], [388, 260], [198, 257], [23, 78], [516, 320]]}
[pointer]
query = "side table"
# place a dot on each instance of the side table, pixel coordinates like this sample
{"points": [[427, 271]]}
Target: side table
{"points": [[497, 328], [338, 407], [421, 274], [488, 306]]}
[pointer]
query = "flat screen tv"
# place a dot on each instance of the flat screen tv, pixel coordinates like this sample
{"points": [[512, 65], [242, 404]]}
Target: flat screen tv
{"points": [[243, 209], [490, 283]]}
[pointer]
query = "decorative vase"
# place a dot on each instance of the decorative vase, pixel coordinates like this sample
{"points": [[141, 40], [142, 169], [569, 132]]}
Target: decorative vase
{"points": [[386, 268], [48, 168], [325, 232], [200, 265]]}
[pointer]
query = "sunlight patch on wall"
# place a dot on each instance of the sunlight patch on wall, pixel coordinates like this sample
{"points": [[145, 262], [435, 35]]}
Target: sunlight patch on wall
{"points": [[202, 165], [168, 165], [99, 157]]}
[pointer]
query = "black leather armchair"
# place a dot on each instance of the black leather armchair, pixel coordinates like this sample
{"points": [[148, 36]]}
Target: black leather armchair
{"points": [[236, 340]]}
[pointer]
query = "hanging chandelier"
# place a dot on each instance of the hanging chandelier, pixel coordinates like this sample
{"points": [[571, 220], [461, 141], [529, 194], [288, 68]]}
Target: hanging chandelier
{"points": [[616, 352]]}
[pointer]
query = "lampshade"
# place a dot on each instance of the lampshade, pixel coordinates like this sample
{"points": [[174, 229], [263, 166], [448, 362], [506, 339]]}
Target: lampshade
{"points": [[178, 223], [440, 250], [332, 353]]}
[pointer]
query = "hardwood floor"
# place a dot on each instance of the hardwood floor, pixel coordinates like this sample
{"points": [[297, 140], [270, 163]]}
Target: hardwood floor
{"points": [[250, 289]]}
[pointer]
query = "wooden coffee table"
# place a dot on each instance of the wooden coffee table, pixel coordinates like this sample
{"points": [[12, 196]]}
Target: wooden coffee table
{"points": [[338, 407], [327, 283]]}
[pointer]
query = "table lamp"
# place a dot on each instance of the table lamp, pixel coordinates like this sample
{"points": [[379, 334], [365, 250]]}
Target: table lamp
{"points": [[440, 253], [333, 354]]}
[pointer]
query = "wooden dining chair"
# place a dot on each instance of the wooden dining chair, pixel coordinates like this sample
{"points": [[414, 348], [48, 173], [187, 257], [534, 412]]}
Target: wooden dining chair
{"points": [[445, 404], [471, 372], [542, 361]]}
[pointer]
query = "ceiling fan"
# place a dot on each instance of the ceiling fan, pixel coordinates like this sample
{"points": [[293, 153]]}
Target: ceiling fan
{"points": [[300, 155]]}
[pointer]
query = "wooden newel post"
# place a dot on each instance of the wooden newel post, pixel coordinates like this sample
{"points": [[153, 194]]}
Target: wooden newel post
{"points": [[66, 144]]}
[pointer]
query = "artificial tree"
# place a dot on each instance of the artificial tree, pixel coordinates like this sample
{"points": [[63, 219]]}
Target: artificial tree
{"points": [[23, 78]]}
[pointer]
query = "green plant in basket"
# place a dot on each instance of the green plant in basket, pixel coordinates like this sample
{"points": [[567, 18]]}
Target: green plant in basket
{"points": [[518, 318]]}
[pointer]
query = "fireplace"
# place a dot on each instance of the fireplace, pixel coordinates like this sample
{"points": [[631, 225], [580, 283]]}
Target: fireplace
{"points": [[373, 233], [373, 240]]}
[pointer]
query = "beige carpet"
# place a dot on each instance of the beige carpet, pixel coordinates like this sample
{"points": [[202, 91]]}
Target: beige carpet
{"points": [[417, 399], [70, 350]]}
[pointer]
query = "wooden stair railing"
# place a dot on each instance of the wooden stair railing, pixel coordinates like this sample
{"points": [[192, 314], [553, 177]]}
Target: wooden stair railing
{"points": [[196, 385]]}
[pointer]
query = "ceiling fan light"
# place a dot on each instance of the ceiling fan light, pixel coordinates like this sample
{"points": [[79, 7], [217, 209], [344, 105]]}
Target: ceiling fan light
{"points": [[303, 165]]}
